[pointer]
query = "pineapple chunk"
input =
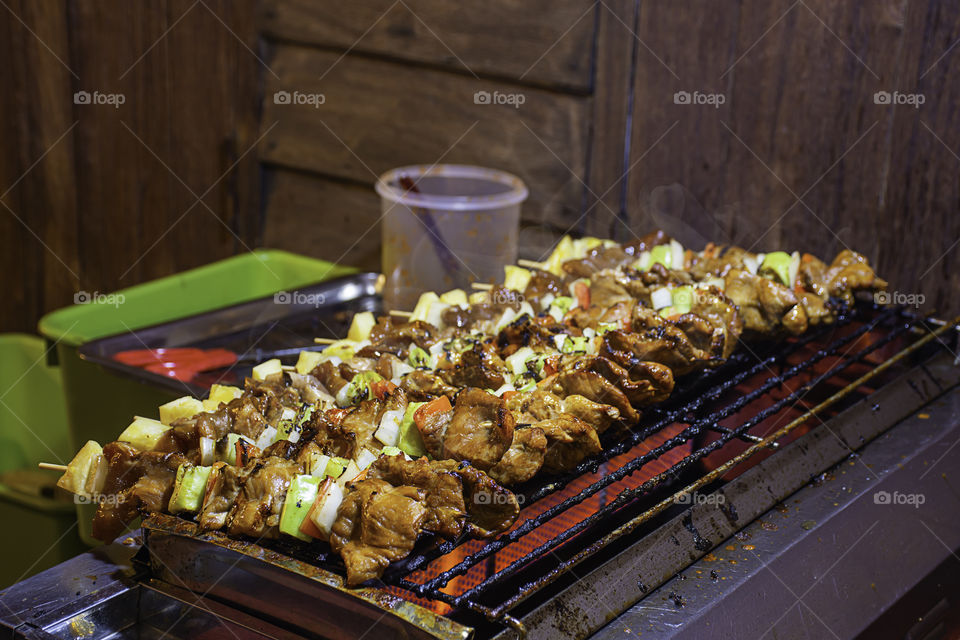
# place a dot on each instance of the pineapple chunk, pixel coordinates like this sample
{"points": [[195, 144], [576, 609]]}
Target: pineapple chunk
{"points": [[308, 361], [87, 471], [143, 433], [185, 407], [478, 297], [516, 278], [361, 326], [266, 369], [224, 393], [454, 297], [423, 305]]}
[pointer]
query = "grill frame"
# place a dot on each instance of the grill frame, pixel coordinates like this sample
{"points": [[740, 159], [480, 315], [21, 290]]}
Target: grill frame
{"points": [[476, 612]]}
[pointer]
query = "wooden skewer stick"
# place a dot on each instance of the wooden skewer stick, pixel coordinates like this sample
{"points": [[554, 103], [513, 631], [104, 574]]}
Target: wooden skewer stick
{"points": [[53, 467], [324, 340], [481, 286], [401, 314], [530, 264]]}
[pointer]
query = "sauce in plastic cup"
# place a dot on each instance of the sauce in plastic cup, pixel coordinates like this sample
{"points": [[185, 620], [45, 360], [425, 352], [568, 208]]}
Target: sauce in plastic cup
{"points": [[459, 226]]}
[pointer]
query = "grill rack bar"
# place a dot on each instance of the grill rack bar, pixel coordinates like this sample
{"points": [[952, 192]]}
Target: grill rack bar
{"points": [[692, 407], [593, 464], [690, 399], [715, 474], [628, 495]]}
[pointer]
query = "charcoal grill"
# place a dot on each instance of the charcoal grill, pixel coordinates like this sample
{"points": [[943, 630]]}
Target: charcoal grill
{"points": [[729, 445]]}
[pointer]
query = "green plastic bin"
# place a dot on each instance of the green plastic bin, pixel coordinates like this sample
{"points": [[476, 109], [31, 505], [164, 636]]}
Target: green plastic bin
{"points": [[41, 523], [99, 404]]}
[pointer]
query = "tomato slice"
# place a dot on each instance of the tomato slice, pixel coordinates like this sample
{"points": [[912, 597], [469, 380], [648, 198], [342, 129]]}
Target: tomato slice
{"points": [[437, 405], [582, 292], [380, 389]]}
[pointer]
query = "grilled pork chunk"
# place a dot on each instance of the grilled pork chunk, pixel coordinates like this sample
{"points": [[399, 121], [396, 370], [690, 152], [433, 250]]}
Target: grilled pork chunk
{"points": [[478, 430], [137, 482], [523, 459], [381, 516], [256, 512], [377, 523]]}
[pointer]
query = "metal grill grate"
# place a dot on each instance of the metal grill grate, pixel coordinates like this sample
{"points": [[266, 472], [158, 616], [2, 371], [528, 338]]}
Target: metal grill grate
{"points": [[622, 487]]}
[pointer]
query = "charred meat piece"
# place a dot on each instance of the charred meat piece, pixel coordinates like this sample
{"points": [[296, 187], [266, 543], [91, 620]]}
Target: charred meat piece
{"points": [[646, 242], [376, 524], [542, 283], [422, 385], [599, 416], [491, 509], [666, 344], [389, 334], [607, 289], [618, 314], [569, 441], [329, 376], [479, 429], [528, 332], [443, 491], [256, 512], [848, 273], [815, 308], [597, 259], [330, 434], [717, 261], [476, 315], [712, 305], [310, 388], [592, 386], [523, 459], [223, 487], [643, 383], [478, 366], [137, 482], [271, 396], [763, 303], [534, 406], [362, 421]]}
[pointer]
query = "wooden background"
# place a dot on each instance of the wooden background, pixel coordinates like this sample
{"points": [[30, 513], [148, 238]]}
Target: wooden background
{"points": [[200, 161]]}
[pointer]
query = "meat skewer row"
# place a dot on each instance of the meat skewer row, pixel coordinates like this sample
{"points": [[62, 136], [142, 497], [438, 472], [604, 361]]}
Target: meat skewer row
{"points": [[306, 483], [479, 428]]}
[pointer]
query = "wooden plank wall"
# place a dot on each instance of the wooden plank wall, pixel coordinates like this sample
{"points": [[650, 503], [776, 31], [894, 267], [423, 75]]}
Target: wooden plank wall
{"points": [[799, 154], [399, 81], [97, 198]]}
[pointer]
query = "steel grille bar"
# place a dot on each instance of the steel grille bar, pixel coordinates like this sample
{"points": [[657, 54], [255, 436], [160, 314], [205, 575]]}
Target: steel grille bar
{"points": [[722, 382], [688, 408]]}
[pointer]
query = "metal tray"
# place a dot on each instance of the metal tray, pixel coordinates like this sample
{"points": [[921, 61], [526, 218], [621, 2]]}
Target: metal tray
{"points": [[278, 326]]}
